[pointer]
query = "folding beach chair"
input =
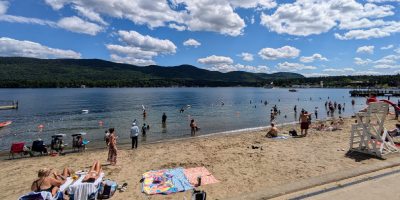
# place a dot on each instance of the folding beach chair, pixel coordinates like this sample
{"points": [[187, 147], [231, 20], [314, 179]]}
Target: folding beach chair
{"points": [[17, 148], [39, 147]]}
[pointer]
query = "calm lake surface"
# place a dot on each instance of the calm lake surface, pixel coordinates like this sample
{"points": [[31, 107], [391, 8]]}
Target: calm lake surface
{"points": [[60, 110]]}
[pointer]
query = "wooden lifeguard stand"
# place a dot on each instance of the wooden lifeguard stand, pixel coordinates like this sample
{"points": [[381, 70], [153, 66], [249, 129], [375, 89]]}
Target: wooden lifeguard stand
{"points": [[369, 135]]}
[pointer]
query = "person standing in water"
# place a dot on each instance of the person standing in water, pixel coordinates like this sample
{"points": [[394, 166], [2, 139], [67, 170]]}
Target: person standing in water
{"points": [[193, 127], [316, 112], [134, 135], [164, 119], [144, 129]]}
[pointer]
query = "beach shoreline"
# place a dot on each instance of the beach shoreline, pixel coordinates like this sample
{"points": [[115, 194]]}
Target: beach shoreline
{"points": [[229, 157]]}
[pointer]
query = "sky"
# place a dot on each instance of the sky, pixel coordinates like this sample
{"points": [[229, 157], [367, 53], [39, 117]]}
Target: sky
{"points": [[310, 37]]}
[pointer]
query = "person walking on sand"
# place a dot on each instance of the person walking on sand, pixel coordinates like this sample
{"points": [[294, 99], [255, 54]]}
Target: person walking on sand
{"points": [[193, 127], [134, 135], [112, 148], [304, 123]]}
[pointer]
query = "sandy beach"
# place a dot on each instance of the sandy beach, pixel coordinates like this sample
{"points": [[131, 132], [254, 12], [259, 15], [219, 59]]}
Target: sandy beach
{"points": [[230, 158]]}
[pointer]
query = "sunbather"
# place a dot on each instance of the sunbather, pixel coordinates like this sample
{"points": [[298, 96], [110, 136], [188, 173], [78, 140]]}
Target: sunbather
{"points": [[94, 172], [395, 132], [50, 180], [273, 132]]}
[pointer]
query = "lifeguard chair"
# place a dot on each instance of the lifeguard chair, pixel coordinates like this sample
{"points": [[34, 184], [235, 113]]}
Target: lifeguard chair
{"points": [[369, 135]]}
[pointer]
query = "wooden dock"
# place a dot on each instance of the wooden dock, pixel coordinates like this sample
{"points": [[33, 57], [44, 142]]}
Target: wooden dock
{"points": [[377, 92], [14, 105]]}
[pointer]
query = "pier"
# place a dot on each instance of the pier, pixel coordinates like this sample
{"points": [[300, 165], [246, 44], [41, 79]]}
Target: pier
{"points": [[9, 105], [377, 92]]}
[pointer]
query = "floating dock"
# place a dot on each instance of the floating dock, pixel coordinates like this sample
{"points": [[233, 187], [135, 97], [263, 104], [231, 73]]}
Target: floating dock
{"points": [[377, 92], [12, 105]]}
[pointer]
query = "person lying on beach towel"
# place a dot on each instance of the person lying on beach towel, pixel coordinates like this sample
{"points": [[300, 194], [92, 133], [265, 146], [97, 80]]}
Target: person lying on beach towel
{"points": [[273, 132], [93, 173], [395, 132], [49, 180]]}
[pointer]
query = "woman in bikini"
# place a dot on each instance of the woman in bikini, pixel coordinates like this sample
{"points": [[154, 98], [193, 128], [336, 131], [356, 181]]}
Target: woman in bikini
{"points": [[49, 180], [94, 172]]}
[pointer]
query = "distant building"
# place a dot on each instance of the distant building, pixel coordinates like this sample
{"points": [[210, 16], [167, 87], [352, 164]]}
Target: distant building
{"points": [[321, 84]]}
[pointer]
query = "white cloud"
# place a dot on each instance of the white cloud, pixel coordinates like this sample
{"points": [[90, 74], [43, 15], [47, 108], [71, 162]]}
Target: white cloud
{"points": [[387, 47], [366, 49], [24, 48], [307, 17], [360, 61], [312, 58], [264, 4], [177, 27], [191, 42], [388, 60], [131, 60], [147, 43], [131, 51], [240, 67], [26, 20], [286, 66], [340, 70], [90, 14], [283, 52], [397, 50], [215, 60], [246, 56], [77, 25], [386, 66], [139, 49], [193, 15], [382, 1], [3, 7], [384, 31]]}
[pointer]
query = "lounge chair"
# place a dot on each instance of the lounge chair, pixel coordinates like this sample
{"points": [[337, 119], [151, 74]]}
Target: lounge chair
{"points": [[83, 190], [39, 146], [57, 143], [17, 148], [44, 195]]}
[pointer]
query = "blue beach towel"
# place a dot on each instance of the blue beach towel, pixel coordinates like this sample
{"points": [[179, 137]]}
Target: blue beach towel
{"points": [[179, 179]]}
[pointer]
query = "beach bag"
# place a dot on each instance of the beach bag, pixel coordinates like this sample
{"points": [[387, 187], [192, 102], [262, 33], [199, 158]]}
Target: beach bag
{"points": [[199, 195], [107, 189], [293, 133]]}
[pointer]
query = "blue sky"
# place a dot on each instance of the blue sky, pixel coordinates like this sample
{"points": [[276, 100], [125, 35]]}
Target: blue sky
{"points": [[311, 37]]}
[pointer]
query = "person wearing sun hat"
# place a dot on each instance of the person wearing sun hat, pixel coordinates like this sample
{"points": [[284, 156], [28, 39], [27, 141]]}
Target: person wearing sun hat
{"points": [[134, 135]]}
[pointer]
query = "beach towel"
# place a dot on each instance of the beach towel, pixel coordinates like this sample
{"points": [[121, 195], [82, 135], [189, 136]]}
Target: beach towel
{"points": [[44, 195], [206, 176], [165, 181], [83, 190], [281, 137], [67, 183]]}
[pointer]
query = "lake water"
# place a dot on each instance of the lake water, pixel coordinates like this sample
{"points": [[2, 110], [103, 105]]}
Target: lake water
{"points": [[60, 110]]}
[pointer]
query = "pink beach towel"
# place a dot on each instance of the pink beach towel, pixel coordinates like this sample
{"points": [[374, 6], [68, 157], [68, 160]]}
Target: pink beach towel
{"points": [[206, 177]]}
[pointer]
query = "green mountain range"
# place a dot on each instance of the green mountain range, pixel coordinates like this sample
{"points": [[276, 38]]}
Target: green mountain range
{"points": [[32, 72]]}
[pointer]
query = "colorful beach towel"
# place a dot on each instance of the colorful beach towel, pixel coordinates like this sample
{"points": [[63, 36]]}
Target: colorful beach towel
{"points": [[165, 181], [206, 176]]}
